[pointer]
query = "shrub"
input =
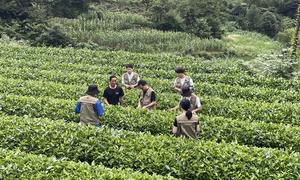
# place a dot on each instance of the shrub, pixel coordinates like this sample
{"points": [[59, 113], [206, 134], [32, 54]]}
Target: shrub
{"points": [[273, 65]]}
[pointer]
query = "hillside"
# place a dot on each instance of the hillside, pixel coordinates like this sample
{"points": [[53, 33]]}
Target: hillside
{"points": [[247, 82]]}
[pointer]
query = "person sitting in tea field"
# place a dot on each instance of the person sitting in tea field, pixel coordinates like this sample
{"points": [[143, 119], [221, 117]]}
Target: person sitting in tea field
{"points": [[147, 98], [187, 123], [130, 79], [113, 94], [90, 107], [182, 80], [187, 93]]}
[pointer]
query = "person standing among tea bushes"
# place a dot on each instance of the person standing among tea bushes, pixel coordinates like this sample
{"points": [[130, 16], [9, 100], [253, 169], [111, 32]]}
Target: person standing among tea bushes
{"points": [[195, 106], [130, 79], [90, 107], [147, 98], [113, 94], [182, 80], [187, 123]]}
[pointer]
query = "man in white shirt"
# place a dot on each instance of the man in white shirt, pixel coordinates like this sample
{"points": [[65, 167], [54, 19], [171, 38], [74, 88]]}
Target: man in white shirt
{"points": [[130, 79], [182, 80]]}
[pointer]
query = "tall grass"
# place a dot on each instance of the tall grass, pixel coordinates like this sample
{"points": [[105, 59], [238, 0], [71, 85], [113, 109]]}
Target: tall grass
{"points": [[251, 44], [102, 20], [130, 32]]}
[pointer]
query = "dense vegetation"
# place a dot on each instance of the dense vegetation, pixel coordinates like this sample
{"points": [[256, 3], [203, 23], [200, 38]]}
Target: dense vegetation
{"points": [[237, 53]]}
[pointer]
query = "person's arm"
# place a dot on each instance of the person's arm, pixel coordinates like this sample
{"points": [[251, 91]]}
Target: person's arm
{"points": [[174, 108], [176, 88], [106, 102], [174, 129], [121, 99], [105, 95], [198, 128], [78, 106], [123, 82], [153, 101], [139, 102], [99, 108], [135, 85], [199, 106], [192, 85]]}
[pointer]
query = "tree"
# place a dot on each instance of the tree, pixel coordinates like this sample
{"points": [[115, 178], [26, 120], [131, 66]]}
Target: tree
{"points": [[269, 24], [296, 37]]}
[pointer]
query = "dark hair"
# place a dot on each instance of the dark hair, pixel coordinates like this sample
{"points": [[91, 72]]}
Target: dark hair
{"points": [[129, 66], [186, 105], [186, 91], [111, 77], [92, 90], [180, 70], [142, 82]]}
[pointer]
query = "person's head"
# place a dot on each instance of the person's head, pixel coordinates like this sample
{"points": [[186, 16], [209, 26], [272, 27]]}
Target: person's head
{"points": [[92, 90], [113, 80], [186, 92], [142, 84], [180, 72], [185, 104], [129, 68]]}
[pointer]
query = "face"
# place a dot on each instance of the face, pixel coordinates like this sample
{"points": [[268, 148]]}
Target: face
{"points": [[144, 88], [129, 70], [180, 75], [113, 81]]}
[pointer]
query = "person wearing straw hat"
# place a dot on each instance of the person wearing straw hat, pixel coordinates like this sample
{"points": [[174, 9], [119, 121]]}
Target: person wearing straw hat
{"points": [[187, 123], [187, 93], [90, 107]]}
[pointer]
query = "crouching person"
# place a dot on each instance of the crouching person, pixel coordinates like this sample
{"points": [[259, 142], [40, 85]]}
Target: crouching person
{"points": [[90, 107], [187, 123]]}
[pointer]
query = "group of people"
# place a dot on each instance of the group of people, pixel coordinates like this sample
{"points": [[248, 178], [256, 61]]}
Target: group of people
{"points": [[186, 124]]}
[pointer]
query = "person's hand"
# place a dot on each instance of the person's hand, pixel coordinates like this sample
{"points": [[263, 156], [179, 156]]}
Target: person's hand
{"points": [[144, 107]]}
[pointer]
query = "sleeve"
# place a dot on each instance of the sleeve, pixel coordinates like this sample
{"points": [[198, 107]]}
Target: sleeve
{"points": [[191, 82], [78, 106], [123, 79], [99, 108], [175, 123], [198, 103], [153, 96], [174, 83], [121, 92], [105, 95]]}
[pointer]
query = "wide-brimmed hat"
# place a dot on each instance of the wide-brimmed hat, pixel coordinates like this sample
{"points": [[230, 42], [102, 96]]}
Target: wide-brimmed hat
{"points": [[186, 92], [92, 89]]}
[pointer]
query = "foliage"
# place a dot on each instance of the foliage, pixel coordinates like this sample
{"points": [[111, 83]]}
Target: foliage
{"points": [[27, 19], [255, 133], [285, 37], [146, 153], [53, 37], [273, 65], [250, 44], [190, 16], [70, 62], [269, 24], [16, 164]]}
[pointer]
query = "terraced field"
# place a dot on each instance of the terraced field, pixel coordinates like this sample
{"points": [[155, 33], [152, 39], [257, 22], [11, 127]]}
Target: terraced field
{"points": [[250, 124]]}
